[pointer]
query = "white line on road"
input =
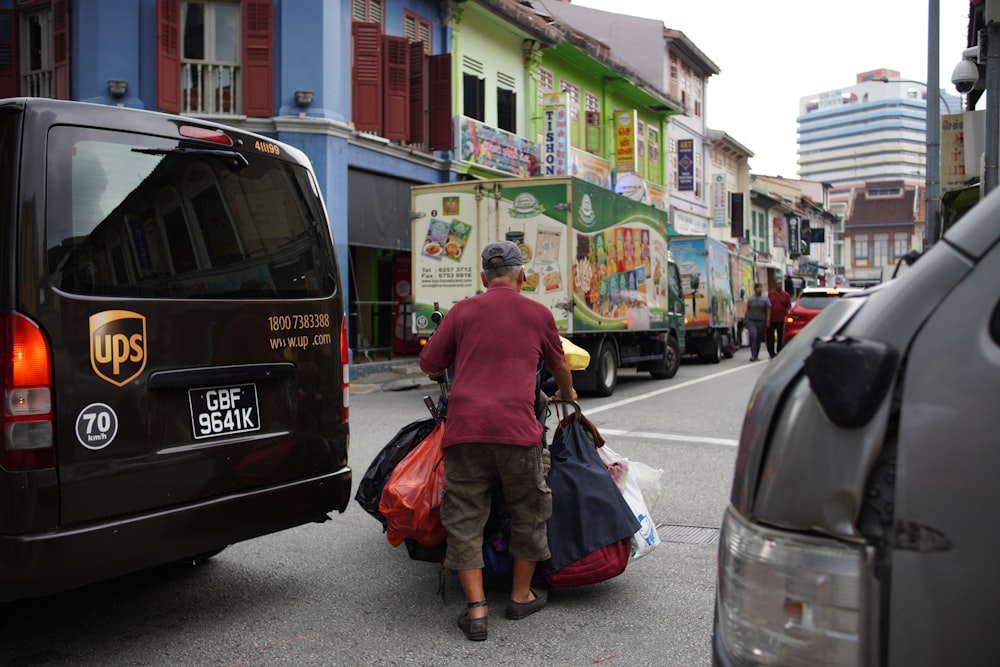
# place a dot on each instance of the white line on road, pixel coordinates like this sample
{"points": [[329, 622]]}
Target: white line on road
{"points": [[682, 385], [729, 442]]}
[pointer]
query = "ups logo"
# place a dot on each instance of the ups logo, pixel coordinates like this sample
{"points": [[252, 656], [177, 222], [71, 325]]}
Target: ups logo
{"points": [[118, 345]]}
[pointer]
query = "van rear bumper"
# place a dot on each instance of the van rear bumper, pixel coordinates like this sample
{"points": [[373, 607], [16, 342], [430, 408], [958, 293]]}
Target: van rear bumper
{"points": [[43, 563]]}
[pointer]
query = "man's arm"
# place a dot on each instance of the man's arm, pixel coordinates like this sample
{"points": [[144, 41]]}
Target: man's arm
{"points": [[564, 381]]}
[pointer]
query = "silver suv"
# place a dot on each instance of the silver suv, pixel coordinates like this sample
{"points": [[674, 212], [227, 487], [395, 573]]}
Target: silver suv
{"points": [[862, 524]]}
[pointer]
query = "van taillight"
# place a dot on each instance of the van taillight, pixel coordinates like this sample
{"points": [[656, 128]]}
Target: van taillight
{"points": [[345, 377], [27, 391]]}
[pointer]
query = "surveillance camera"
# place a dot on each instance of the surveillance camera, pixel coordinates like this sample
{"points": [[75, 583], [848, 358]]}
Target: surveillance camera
{"points": [[965, 75]]}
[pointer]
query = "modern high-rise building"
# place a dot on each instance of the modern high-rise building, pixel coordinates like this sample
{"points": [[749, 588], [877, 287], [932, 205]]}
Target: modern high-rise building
{"points": [[874, 130]]}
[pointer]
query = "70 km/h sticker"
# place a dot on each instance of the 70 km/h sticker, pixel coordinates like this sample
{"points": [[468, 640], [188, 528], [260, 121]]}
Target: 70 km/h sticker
{"points": [[96, 426]]}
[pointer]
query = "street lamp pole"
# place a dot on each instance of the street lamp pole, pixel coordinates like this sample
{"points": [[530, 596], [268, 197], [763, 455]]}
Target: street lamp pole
{"points": [[932, 189], [933, 196]]}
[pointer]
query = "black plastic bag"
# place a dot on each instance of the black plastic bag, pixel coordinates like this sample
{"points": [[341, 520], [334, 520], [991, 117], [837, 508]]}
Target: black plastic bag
{"points": [[374, 480]]}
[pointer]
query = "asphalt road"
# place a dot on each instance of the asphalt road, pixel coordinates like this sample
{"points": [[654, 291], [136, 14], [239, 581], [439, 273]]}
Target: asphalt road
{"points": [[339, 594]]}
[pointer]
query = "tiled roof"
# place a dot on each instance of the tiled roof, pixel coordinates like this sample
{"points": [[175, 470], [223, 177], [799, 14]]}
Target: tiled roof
{"points": [[552, 31], [874, 210]]}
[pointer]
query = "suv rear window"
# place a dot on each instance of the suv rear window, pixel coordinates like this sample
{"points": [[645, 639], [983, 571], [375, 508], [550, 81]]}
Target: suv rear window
{"points": [[133, 215]]}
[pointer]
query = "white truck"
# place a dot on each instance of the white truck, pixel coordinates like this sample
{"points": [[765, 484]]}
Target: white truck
{"points": [[598, 260]]}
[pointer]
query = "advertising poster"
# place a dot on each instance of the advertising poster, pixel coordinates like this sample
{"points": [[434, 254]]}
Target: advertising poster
{"points": [[487, 146], [685, 164], [778, 223], [952, 152], [531, 217], [446, 250], [590, 168], [555, 128], [625, 139], [619, 262], [704, 269], [720, 205]]}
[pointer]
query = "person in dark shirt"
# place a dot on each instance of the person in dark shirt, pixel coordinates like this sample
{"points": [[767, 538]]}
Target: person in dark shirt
{"points": [[758, 313], [492, 437]]}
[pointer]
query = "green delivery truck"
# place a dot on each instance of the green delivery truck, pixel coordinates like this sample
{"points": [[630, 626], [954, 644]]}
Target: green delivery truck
{"points": [[600, 261]]}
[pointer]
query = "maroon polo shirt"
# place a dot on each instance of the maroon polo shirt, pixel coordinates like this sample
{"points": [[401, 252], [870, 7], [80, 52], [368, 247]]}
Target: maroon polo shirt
{"points": [[495, 339], [781, 303]]}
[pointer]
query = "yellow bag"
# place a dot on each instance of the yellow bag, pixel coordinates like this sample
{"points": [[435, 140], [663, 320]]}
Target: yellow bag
{"points": [[577, 357]]}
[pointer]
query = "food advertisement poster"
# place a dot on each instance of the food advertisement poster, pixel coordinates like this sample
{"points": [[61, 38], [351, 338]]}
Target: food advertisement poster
{"points": [[619, 262], [445, 250], [534, 218]]}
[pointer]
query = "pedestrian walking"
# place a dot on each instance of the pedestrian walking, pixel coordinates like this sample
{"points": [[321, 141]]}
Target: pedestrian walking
{"points": [[757, 315], [781, 303], [493, 436]]}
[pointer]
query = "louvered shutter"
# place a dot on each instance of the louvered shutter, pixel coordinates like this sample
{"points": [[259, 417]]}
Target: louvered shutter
{"points": [[168, 55], [366, 79], [417, 93], [439, 102], [258, 58], [396, 87], [60, 50], [8, 54]]}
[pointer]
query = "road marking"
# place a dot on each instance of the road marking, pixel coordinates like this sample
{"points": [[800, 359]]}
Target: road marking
{"points": [[729, 442], [651, 394]]}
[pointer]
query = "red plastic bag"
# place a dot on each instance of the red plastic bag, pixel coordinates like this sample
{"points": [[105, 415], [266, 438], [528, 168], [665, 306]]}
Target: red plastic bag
{"points": [[411, 499]]}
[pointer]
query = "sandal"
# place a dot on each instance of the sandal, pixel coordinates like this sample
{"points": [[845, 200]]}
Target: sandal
{"points": [[474, 628]]}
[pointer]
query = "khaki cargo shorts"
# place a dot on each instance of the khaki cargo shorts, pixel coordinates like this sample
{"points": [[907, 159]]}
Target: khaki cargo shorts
{"points": [[471, 471]]}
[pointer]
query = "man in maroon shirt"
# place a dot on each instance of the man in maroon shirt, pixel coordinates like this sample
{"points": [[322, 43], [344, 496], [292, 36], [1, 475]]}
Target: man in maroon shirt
{"points": [[781, 303], [493, 437]]}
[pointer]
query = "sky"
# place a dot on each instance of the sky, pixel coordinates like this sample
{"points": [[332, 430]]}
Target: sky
{"points": [[771, 53]]}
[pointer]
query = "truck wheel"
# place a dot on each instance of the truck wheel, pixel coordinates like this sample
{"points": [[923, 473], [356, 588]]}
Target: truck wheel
{"points": [[672, 363], [714, 345], [607, 370], [729, 349]]}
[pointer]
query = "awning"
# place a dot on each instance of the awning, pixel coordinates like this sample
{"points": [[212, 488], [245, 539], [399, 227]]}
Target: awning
{"points": [[378, 210]]}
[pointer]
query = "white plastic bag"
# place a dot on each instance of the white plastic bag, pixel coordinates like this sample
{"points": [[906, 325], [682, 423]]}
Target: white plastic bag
{"points": [[629, 475], [647, 476], [745, 338]]}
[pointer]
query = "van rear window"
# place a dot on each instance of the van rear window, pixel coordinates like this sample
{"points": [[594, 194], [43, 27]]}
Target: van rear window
{"points": [[145, 216]]}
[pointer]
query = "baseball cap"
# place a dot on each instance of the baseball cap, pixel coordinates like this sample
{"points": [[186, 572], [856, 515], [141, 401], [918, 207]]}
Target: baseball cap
{"points": [[501, 253]]}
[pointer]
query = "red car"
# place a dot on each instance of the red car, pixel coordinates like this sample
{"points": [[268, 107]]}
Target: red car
{"points": [[807, 306]]}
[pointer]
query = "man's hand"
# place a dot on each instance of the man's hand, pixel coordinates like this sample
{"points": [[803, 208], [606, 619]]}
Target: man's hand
{"points": [[558, 396]]}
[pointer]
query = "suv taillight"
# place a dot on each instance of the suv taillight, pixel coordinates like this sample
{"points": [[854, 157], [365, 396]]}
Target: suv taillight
{"points": [[345, 377], [27, 393]]}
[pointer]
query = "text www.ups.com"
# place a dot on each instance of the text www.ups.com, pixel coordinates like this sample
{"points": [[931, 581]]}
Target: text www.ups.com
{"points": [[301, 342]]}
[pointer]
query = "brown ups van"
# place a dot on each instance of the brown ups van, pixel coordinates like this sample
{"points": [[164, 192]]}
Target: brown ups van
{"points": [[173, 343]]}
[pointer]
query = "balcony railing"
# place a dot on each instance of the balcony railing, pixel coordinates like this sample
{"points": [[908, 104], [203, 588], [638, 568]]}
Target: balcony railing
{"points": [[210, 88], [37, 84]]}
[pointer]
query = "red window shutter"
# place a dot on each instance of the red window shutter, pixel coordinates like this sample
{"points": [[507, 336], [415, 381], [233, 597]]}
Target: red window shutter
{"points": [[60, 50], [8, 54], [396, 82], [168, 55], [439, 77], [258, 58], [417, 92], [366, 78]]}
